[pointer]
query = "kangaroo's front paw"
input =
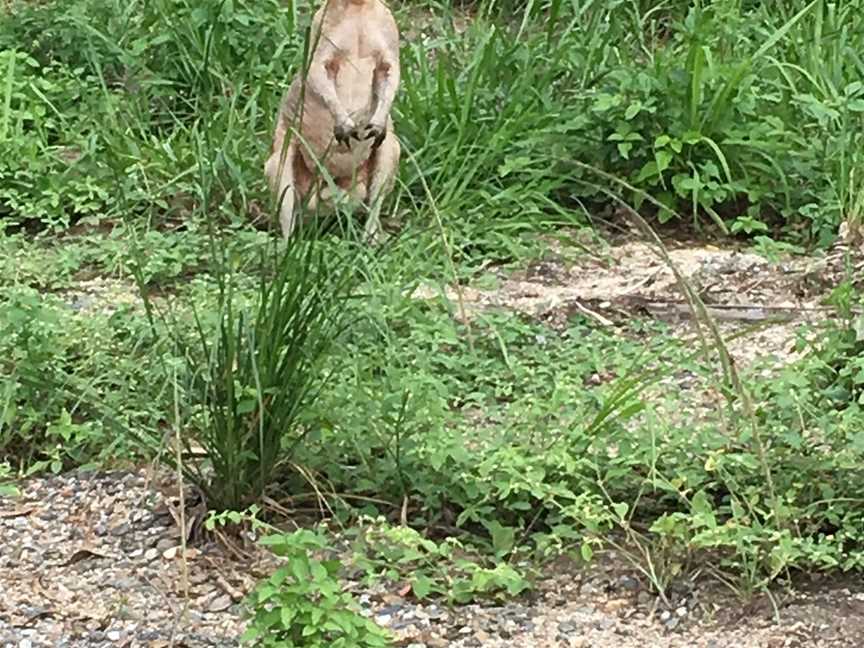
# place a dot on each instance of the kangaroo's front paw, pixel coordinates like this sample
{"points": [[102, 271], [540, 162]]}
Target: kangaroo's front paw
{"points": [[376, 132], [344, 131]]}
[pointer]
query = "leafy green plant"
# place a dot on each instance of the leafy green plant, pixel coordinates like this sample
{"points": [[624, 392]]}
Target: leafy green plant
{"points": [[302, 603], [41, 180], [432, 569], [7, 488], [56, 360], [697, 127]]}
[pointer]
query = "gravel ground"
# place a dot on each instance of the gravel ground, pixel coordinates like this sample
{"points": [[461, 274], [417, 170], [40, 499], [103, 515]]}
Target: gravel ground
{"points": [[93, 560]]}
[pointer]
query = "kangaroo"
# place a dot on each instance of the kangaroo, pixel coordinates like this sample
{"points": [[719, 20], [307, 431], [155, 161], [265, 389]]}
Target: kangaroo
{"points": [[338, 118]]}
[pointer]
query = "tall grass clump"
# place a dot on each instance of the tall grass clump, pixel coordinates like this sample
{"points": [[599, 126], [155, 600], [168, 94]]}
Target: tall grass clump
{"points": [[483, 114], [742, 116], [94, 81], [246, 370]]}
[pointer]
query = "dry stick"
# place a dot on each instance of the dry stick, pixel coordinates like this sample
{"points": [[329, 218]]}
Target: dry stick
{"points": [[597, 316], [183, 561], [319, 496], [764, 307]]}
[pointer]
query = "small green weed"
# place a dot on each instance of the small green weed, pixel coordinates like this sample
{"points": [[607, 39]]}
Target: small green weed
{"points": [[447, 569], [7, 487], [302, 603]]}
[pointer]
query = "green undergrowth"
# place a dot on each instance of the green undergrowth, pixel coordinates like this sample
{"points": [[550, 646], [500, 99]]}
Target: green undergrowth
{"points": [[521, 440], [747, 116], [131, 166]]}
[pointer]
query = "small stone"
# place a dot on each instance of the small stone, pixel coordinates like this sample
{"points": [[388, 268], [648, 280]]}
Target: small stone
{"points": [[151, 554], [389, 609], [140, 516], [614, 605], [644, 598], [113, 635], [127, 583], [165, 543], [119, 530], [627, 583], [25, 643], [681, 611], [603, 623], [433, 612], [221, 603], [170, 553]]}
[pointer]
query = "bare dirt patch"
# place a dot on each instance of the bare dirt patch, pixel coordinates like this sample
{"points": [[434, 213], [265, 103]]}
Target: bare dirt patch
{"points": [[740, 291]]}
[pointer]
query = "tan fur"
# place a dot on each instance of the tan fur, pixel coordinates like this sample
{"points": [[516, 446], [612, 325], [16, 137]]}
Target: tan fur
{"points": [[341, 112]]}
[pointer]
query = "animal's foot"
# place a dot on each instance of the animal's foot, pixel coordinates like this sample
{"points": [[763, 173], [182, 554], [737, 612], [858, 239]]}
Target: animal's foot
{"points": [[375, 132], [373, 233], [344, 131], [376, 237]]}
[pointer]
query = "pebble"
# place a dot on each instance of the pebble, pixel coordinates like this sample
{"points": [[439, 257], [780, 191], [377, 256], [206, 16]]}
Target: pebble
{"points": [[165, 543], [644, 598], [628, 583], [221, 603], [121, 529]]}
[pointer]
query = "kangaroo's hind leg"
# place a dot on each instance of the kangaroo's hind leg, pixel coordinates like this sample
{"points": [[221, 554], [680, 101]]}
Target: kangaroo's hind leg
{"points": [[280, 170], [384, 166]]}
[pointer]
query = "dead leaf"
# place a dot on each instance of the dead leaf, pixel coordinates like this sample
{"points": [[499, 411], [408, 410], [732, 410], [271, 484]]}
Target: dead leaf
{"points": [[84, 553], [20, 512]]}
